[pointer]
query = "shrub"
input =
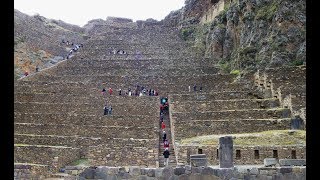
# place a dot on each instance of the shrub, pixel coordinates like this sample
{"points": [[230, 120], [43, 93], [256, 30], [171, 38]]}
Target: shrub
{"points": [[235, 72]]}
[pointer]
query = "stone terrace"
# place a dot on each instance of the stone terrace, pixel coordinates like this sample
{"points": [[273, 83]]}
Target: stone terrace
{"points": [[60, 109], [250, 110]]}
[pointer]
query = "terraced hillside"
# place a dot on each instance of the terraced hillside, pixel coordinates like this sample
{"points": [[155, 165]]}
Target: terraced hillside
{"points": [[59, 111]]}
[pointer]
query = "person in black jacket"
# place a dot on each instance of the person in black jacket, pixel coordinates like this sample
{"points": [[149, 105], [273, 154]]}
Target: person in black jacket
{"points": [[166, 154]]}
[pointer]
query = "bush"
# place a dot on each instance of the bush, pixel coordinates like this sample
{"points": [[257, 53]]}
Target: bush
{"points": [[267, 12], [187, 33], [235, 72]]}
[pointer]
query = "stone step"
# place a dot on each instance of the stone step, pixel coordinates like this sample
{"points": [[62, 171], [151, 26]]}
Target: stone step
{"points": [[233, 114], [210, 96], [95, 97], [86, 130], [208, 127], [139, 69], [89, 109], [82, 119], [76, 141], [220, 105], [200, 79]]}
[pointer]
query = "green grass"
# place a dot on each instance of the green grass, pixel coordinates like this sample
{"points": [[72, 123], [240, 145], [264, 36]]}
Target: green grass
{"points": [[235, 72], [265, 138], [80, 162]]}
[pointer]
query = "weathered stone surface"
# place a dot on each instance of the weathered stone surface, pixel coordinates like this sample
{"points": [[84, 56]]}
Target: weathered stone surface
{"points": [[179, 171], [167, 172], [226, 152], [151, 173], [284, 170], [207, 171], [134, 170], [292, 162], [196, 169], [198, 160], [158, 172], [270, 161]]}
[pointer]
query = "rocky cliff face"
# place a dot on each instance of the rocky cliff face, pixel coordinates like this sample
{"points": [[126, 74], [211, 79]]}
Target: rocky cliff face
{"points": [[247, 34]]}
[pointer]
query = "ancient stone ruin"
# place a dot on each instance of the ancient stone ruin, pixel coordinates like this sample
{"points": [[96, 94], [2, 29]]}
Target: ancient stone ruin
{"points": [[240, 126]]}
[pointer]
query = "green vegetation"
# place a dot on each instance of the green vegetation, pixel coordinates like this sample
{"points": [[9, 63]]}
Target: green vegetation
{"points": [[80, 162], [267, 12], [225, 66], [265, 138], [187, 33], [235, 72], [247, 50], [297, 62]]}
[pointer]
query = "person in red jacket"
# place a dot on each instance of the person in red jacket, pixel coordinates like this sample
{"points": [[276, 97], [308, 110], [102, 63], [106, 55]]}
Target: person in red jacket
{"points": [[110, 91], [163, 126]]}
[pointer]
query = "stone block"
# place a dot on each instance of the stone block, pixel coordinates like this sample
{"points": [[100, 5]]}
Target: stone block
{"points": [[112, 170], [134, 171], [196, 169], [292, 162], [158, 172], [226, 152], [151, 173], [179, 171], [167, 172], [254, 171], [270, 162], [207, 171], [198, 162], [284, 170]]}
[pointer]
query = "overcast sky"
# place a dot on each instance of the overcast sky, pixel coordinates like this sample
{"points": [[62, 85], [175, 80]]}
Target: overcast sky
{"points": [[79, 12]]}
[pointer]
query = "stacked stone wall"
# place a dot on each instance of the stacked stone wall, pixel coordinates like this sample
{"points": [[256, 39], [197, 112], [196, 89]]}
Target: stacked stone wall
{"points": [[87, 131], [125, 152], [207, 127], [45, 155], [25, 171], [247, 153], [193, 173]]}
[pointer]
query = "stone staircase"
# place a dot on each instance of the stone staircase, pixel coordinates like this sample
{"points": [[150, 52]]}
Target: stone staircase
{"points": [[172, 157]]}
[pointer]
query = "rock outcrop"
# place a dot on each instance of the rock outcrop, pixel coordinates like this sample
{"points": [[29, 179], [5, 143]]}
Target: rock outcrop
{"points": [[246, 34]]}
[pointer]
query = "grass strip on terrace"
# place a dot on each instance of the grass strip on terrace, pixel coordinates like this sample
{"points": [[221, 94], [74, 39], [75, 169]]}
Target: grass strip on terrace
{"points": [[264, 138]]}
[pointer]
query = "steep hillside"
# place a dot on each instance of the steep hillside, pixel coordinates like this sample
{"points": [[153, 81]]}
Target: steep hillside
{"points": [[37, 41], [245, 34]]}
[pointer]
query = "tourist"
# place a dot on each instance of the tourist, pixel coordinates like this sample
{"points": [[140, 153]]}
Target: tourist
{"points": [[103, 92], [106, 110], [119, 92], [110, 91], [166, 144], [166, 154], [200, 89], [195, 87], [164, 136], [189, 89], [37, 69], [110, 109], [26, 73], [163, 126]]}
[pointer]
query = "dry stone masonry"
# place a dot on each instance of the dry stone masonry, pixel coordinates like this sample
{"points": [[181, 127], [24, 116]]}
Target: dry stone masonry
{"points": [[58, 112]]}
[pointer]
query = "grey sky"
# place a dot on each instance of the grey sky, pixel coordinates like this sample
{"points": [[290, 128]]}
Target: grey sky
{"points": [[81, 11]]}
